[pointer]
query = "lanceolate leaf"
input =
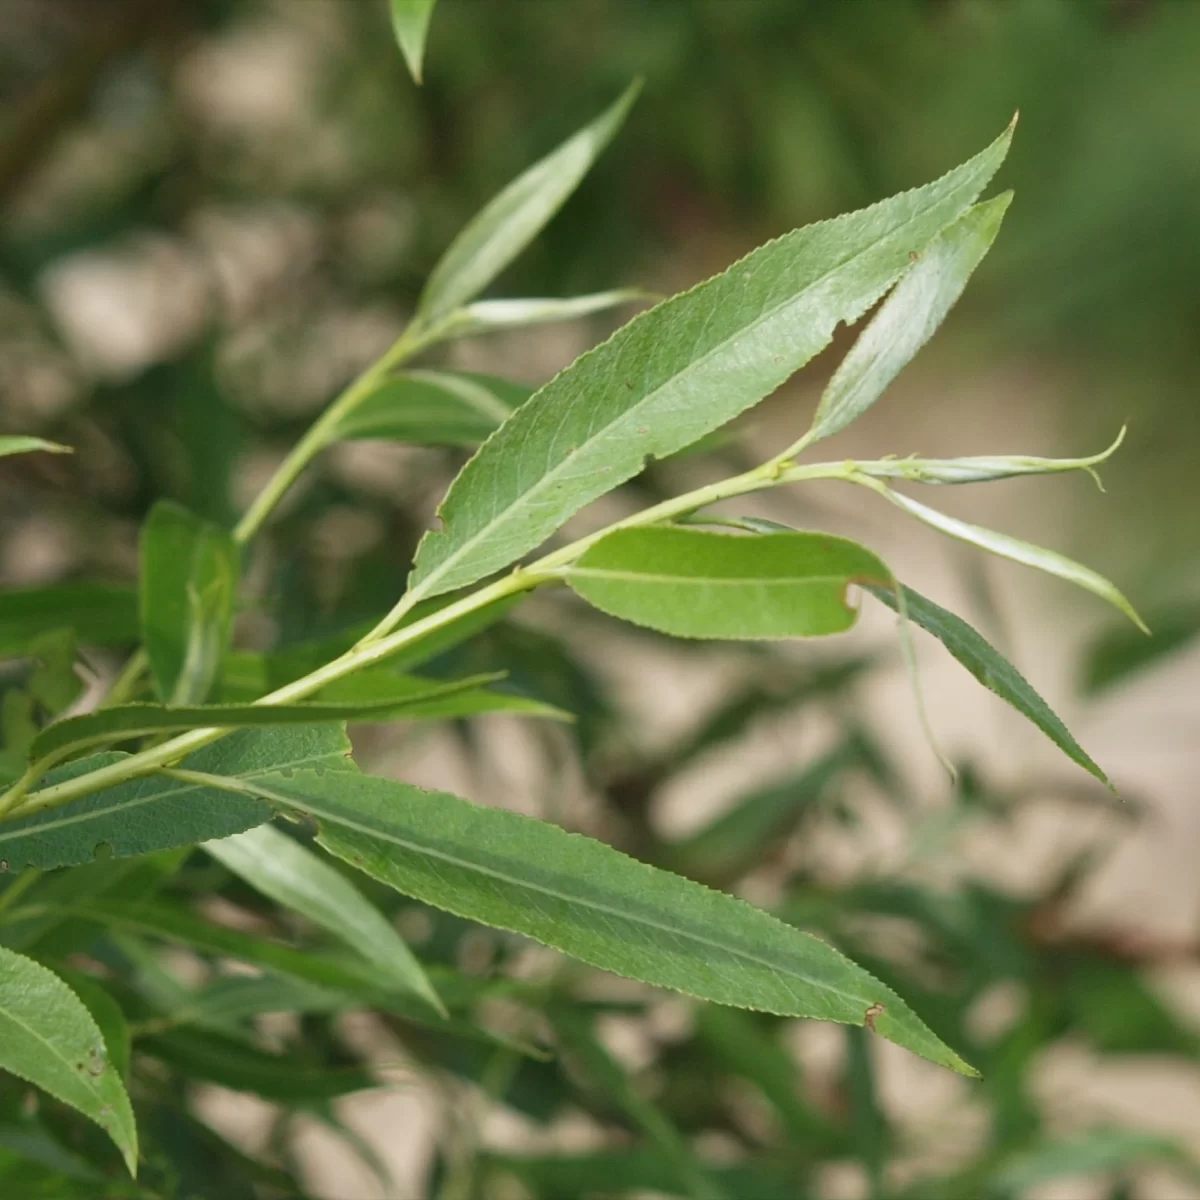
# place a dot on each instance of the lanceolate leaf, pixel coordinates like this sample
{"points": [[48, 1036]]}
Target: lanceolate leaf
{"points": [[1018, 551], [22, 444], [676, 373], [991, 669], [189, 573], [123, 721], [509, 222], [292, 875], [49, 1038], [591, 901], [158, 812], [692, 583], [433, 408], [101, 614], [410, 20], [909, 317]]}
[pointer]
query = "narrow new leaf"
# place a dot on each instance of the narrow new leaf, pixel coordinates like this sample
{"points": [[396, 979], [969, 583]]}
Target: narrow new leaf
{"points": [[158, 812], [588, 900], [101, 614], [23, 444], [189, 573], [432, 408], [292, 875], [509, 222], [370, 688], [991, 668], [1022, 552], [49, 1038], [692, 583], [410, 20], [107, 725], [676, 373], [909, 317], [984, 468], [486, 315]]}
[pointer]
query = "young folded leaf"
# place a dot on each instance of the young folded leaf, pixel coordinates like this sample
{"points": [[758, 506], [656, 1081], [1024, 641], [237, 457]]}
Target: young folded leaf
{"points": [[486, 315], [909, 317], [292, 875], [990, 667], [695, 584], [432, 408], [123, 721], [984, 468], [410, 21], [158, 812], [676, 373], [590, 901], [22, 444], [49, 1038], [189, 574], [1010, 547], [510, 221]]}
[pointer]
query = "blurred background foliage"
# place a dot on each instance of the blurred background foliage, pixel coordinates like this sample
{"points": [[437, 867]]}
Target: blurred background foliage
{"points": [[216, 211]]}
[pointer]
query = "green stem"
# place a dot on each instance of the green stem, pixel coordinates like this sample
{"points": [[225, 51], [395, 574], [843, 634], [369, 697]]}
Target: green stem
{"points": [[385, 640], [410, 343]]}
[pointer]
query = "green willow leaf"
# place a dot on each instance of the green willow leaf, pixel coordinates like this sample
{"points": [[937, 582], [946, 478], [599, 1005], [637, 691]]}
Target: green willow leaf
{"points": [[512, 219], [1022, 552], [991, 668], [49, 1038], [410, 21], [909, 317], [158, 812], [736, 841], [244, 1068], [692, 583], [432, 408], [23, 444], [484, 316], [590, 901], [189, 574], [101, 614], [106, 1012], [123, 721], [676, 373], [292, 875]]}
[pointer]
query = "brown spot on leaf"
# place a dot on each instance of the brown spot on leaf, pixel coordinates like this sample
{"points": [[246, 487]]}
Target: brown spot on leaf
{"points": [[876, 1010]]}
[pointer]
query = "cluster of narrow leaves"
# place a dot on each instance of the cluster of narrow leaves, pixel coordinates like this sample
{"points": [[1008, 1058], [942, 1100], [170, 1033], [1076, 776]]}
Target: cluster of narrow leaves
{"points": [[200, 744]]}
